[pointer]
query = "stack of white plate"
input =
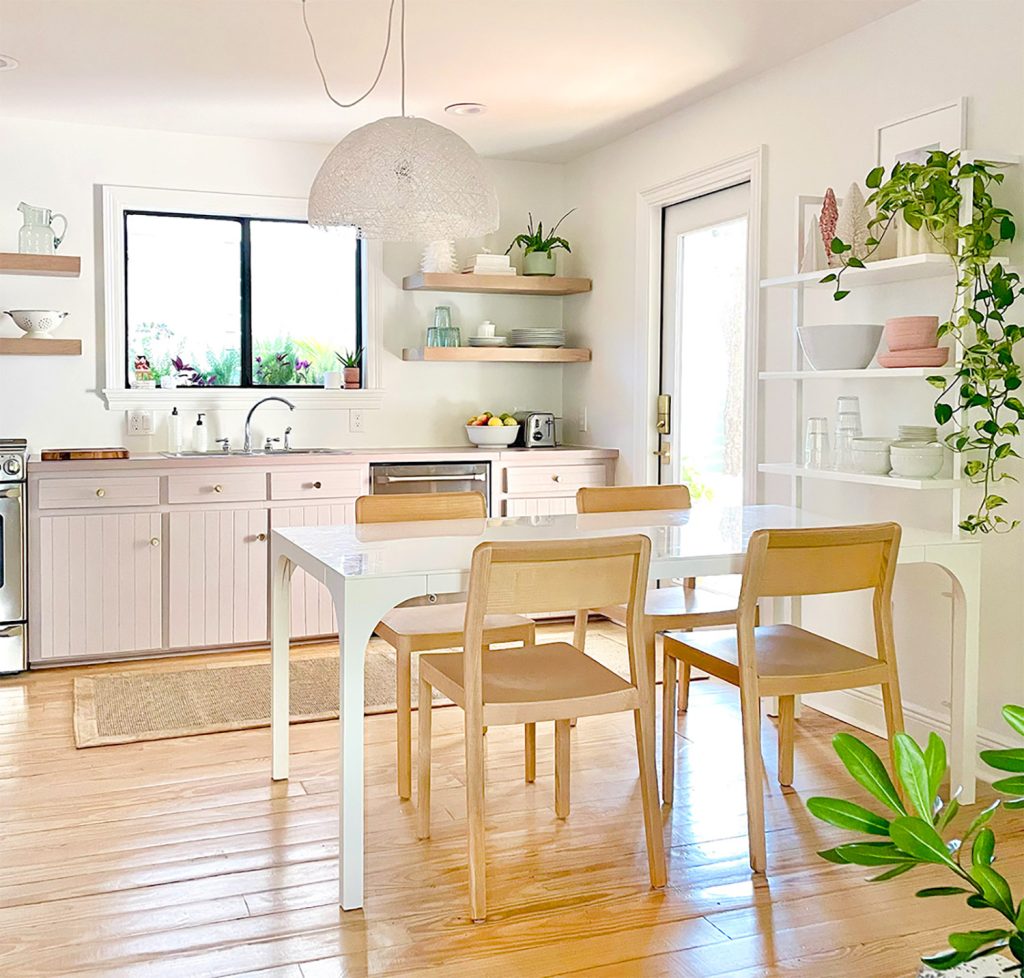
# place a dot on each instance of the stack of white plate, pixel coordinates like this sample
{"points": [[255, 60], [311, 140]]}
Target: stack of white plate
{"points": [[547, 337], [917, 432], [488, 341]]}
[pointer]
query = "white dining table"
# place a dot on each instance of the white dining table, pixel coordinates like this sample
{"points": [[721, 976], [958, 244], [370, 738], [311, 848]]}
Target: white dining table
{"points": [[370, 568]]}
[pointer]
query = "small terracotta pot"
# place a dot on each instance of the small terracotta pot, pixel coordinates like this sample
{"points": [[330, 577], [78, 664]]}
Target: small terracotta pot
{"points": [[912, 333], [351, 378]]}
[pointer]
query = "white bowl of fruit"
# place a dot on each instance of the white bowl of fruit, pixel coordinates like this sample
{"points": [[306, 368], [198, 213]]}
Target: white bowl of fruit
{"points": [[488, 430]]}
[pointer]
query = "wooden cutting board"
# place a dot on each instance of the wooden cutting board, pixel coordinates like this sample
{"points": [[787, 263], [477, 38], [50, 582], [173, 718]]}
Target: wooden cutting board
{"points": [[75, 454]]}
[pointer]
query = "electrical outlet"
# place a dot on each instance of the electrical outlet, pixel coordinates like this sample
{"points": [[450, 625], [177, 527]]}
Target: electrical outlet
{"points": [[140, 422], [583, 422], [355, 420]]}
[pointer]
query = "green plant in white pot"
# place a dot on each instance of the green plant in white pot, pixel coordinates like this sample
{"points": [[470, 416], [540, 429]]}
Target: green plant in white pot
{"points": [[917, 831], [539, 248]]}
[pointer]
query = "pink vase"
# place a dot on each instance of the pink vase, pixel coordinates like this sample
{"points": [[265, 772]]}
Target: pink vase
{"points": [[912, 333]]}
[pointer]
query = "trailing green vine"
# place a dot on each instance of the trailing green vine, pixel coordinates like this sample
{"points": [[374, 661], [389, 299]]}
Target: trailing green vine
{"points": [[987, 375]]}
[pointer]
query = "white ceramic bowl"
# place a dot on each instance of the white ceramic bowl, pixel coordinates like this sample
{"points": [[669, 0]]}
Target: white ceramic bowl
{"points": [[36, 321], [491, 435], [917, 461], [871, 462], [846, 346]]}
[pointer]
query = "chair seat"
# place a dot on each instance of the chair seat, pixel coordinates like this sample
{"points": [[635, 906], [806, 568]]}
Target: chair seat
{"points": [[681, 607], [554, 681], [440, 626], [787, 657]]}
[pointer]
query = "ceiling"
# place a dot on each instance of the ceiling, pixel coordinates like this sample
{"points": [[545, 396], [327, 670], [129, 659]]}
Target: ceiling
{"points": [[559, 76]]}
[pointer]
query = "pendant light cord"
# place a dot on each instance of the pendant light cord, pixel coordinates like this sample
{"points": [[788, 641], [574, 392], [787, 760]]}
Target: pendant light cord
{"points": [[383, 60]]}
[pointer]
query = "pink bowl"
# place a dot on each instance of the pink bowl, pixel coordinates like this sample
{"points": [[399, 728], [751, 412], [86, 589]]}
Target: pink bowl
{"points": [[911, 333]]}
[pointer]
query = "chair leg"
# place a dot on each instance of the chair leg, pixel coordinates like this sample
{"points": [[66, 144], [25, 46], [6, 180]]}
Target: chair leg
{"points": [[475, 815], [423, 750], [787, 714], [684, 687], [530, 742], [562, 766], [649, 796], [893, 707], [579, 629], [750, 707], [403, 698], [668, 728]]}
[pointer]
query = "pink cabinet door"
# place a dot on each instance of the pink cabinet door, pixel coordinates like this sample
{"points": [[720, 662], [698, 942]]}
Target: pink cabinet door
{"points": [[99, 585], [217, 577], [312, 609]]}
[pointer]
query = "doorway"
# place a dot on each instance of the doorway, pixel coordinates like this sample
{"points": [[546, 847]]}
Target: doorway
{"points": [[705, 352]]}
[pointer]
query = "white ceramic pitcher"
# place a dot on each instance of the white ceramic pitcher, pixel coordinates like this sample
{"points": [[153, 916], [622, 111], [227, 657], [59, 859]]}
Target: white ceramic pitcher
{"points": [[37, 236]]}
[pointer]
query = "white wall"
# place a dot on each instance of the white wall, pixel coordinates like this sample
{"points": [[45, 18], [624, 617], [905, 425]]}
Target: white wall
{"points": [[817, 117], [53, 401]]}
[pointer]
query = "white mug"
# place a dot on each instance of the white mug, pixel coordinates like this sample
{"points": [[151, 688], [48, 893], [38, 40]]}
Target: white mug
{"points": [[485, 329]]}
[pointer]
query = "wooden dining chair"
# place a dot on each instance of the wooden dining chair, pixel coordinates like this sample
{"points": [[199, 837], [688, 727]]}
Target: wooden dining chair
{"points": [[786, 661], [413, 629], [554, 681], [684, 608]]}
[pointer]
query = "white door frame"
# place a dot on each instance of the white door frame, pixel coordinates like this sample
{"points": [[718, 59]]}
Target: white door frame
{"points": [[747, 167]]}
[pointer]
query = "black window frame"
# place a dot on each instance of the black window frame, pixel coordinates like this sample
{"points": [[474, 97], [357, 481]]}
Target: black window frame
{"points": [[245, 304]]}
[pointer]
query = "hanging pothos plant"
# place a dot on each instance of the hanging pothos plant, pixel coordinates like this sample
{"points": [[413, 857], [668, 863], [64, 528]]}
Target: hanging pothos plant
{"points": [[980, 396]]}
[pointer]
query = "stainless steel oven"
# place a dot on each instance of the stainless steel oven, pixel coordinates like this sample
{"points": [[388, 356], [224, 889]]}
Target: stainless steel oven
{"points": [[13, 550], [406, 477]]}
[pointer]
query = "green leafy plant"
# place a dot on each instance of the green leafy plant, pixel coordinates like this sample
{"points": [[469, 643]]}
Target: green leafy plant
{"points": [[536, 240], [350, 358], [225, 368], [986, 377], [918, 833]]}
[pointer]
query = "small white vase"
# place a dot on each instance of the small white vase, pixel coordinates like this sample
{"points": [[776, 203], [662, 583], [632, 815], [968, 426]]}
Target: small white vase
{"points": [[332, 380]]}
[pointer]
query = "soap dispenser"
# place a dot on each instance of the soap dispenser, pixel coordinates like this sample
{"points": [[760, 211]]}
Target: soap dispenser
{"points": [[174, 432], [201, 435]]}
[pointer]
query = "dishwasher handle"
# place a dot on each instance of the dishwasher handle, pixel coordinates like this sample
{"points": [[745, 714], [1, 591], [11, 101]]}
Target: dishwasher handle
{"points": [[474, 477]]}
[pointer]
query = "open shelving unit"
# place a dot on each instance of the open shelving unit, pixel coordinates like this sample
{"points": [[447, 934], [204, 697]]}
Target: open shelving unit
{"points": [[32, 346], [67, 266], [870, 373], [550, 285], [495, 354], [909, 269], [861, 478]]}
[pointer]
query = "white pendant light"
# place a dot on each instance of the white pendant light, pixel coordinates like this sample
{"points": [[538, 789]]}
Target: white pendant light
{"points": [[401, 178]]}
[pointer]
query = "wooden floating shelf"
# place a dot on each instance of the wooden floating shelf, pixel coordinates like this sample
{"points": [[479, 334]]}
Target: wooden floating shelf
{"points": [[874, 273], [800, 472], [871, 373], [12, 263], [495, 284], [495, 354], [13, 346]]}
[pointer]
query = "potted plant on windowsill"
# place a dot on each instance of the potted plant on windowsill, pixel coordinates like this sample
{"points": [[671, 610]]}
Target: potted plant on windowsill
{"points": [[351, 362], [916, 835], [539, 248]]}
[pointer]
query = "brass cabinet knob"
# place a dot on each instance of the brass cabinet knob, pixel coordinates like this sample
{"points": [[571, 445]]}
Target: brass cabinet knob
{"points": [[317, 484], [154, 542], [101, 492], [555, 478], [261, 537], [218, 488]]}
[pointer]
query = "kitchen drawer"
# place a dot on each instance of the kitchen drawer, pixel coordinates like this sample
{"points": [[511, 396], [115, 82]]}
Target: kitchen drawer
{"points": [[217, 487], [97, 492], [328, 482], [554, 478]]}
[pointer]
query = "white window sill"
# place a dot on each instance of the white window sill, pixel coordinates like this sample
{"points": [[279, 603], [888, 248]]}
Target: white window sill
{"points": [[210, 398]]}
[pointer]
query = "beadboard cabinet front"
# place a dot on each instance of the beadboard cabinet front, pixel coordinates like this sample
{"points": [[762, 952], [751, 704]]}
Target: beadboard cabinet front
{"points": [[217, 577], [99, 584]]}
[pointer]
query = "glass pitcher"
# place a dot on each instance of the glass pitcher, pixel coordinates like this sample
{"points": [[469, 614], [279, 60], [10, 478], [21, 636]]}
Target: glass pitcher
{"points": [[37, 236]]}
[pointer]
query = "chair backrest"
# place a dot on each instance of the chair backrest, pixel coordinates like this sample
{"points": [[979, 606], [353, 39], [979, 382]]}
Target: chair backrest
{"points": [[791, 563], [631, 499], [421, 506], [555, 575]]}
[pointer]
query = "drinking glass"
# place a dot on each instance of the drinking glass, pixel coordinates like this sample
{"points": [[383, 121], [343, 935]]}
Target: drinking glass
{"points": [[435, 336], [443, 317], [816, 450], [451, 336]]}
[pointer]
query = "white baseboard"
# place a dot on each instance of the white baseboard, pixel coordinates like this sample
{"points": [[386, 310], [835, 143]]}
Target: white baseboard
{"points": [[862, 708]]}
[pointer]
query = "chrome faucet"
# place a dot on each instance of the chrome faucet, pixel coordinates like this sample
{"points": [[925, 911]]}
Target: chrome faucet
{"points": [[247, 442]]}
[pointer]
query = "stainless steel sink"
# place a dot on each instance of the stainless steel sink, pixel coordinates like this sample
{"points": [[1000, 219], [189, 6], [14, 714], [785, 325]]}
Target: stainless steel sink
{"points": [[258, 453]]}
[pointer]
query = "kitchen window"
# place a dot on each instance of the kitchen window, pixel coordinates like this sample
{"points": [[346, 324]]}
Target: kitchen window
{"points": [[225, 301]]}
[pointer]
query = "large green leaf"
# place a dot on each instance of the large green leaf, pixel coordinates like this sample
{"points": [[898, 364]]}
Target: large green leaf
{"points": [[869, 854], [1011, 759], [1014, 715], [848, 815], [983, 850], [912, 770], [868, 770], [935, 761], [967, 942], [934, 891], [995, 889], [917, 838], [1011, 786], [948, 814]]}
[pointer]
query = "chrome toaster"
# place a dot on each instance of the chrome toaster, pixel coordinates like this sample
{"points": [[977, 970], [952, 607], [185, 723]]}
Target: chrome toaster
{"points": [[536, 429]]}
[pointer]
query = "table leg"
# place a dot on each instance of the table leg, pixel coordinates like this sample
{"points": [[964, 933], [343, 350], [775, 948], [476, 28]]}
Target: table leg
{"points": [[280, 631]]}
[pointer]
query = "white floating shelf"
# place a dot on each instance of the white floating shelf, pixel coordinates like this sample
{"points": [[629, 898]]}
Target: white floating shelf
{"points": [[828, 475], [871, 373], [874, 273]]}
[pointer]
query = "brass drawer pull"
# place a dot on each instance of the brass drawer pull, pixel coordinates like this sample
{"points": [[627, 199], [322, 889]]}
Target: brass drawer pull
{"points": [[218, 488], [317, 484], [101, 492], [556, 478], [261, 537], [154, 542]]}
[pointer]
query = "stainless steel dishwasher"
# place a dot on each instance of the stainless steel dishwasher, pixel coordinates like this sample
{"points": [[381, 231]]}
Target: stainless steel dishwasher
{"points": [[408, 477]]}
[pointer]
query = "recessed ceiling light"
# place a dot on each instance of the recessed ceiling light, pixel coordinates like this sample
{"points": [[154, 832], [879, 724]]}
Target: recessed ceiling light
{"points": [[466, 108], [7, 63]]}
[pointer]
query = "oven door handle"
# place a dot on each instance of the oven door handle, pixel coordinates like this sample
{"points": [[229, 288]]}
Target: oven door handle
{"points": [[474, 477], [12, 592]]}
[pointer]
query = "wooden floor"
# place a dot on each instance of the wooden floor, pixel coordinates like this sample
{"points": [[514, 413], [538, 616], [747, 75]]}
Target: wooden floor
{"points": [[181, 858]]}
